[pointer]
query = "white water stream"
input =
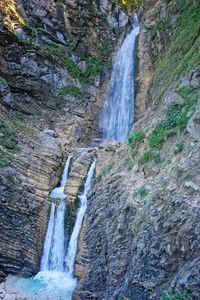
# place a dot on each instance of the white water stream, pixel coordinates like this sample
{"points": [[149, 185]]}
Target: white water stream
{"points": [[53, 253], [118, 113], [55, 280], [71, 253]]}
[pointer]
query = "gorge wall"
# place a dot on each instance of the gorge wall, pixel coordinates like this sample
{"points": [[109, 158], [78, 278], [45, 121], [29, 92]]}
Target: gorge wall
{"points": [[141, 232], [54, 57], [140, 235]]}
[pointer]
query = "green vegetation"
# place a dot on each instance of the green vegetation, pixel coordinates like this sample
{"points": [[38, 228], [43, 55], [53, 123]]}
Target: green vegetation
{"points": [[9, 8], [134, 140], [188, 176], [106, 170], [148, 155], [183, 50], [178, 147], [9, 125], [160, 25], [178, 172], [70, 212], [8, 142], [3, 82], [142, 191], [72, 90], [176, 118], [93, 64], [105, 48], [177, 296], [32, 84], [129, 4]]}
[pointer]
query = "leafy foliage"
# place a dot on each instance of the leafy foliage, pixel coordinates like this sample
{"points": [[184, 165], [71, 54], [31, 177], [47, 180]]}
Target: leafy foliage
{"points": [[183, 48], [177, 296], [131, 4], [134, 140], [176, 118], [72, 90], [178, 147], [148, 155], [106, 170], [93, 64], [143, 191]]}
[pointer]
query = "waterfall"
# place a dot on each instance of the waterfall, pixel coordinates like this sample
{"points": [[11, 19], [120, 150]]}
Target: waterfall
{"points": [[57, 265], [118, 112], [71, 253], [56, 279], [56, 262], [47, 244], [53, 252]]}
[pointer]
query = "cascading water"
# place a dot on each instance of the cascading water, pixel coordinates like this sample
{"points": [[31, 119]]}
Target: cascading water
{"points": [[118, 113], [53, 252], [47, 244], [55, 279], [71, 253]]}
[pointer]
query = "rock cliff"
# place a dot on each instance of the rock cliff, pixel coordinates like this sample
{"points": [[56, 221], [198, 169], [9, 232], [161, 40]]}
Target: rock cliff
{"points": [[140, 235], [53, 64]]}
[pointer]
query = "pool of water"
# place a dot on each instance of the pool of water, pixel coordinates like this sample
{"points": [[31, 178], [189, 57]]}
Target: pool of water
{"points": [[45, 285]]}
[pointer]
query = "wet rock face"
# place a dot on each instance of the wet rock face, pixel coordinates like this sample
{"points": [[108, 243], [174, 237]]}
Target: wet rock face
{"points": [[153, 42], [140, 232], [140, 235], [53, 62], [25, 204]]}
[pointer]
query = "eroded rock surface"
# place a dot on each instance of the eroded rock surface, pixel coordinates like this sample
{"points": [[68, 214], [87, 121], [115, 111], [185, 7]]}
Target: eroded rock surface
{"points": [[54, 59]]}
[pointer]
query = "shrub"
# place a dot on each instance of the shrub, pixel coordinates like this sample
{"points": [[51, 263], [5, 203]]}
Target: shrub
{"points": [[134, 140], [182, 50], [142, 191], [177, 296], [72, 90], [176, 118], [160, 25], [106, 170], [178, 147], [150, 155]]}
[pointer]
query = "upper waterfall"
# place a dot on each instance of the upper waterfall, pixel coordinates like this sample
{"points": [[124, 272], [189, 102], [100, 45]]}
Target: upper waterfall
{"points": [[117, 116]]}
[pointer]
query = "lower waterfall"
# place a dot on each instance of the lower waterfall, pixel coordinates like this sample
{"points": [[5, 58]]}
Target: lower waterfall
{"points": [[56, 279]]}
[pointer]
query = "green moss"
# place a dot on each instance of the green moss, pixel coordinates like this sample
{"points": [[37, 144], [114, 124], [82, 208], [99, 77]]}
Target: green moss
{"points": [[4, 161], [105, 170], [160, 25], [150, 155], [9, 126], [176, 118], [178, 147], [134, 140], [176, 296], [183, 50], [93, 64], [32, 84], [70, 212], [8, 136], [3, 82], [142, 191], [72, 90]]}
